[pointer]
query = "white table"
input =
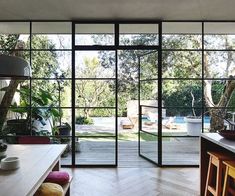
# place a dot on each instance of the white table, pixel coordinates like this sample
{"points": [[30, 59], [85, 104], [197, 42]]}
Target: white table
{"points": [[36, 161]]}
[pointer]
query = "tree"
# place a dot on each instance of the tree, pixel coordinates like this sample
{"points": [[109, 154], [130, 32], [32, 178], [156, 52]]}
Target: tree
{"points": [[91, 93], [218, 110], [183, 64]]}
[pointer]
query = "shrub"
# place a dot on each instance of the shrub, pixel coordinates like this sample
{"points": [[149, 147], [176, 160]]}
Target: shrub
{"points": [[83, 120]]}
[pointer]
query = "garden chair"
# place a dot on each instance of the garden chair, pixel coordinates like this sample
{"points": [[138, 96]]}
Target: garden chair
{"points": [[169, 123]]}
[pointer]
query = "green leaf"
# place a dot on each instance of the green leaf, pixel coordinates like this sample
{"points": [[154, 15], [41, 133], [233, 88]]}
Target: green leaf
{"points": [[55, 112]]}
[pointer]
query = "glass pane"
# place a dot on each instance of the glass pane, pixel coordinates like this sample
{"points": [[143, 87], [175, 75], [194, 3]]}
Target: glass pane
{"points": [[95, 93], [51, 64], [218, 91], [138, 34], [95, 122], [44, 93], [219, 64], [149, 118], [94, 34], [183, 93], [182, 35], [54, 93], [95, 151], [14, 107], [95, 64], [20, 90], [219, 35], [220, 118], [182, 64], [148, 90], [179, 121], [16, 121], [148, 65], [128, 67], [66, 157], [14, 35], [51, 35], [149, 146], [180, 150]]}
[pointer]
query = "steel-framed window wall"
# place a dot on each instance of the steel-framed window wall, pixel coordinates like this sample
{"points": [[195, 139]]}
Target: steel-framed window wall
{"points": [[116, 47]]}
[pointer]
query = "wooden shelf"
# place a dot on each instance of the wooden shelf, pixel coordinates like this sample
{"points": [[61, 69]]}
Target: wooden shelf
{"points": [[66, 187]]}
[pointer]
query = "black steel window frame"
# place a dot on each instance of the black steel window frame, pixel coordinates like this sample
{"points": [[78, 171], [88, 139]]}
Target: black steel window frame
{"points": [[116, 47], [142, 131], [82, 48]]}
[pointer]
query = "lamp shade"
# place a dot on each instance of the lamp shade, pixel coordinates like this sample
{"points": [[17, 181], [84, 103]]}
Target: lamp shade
{"points": [[14, 67]]}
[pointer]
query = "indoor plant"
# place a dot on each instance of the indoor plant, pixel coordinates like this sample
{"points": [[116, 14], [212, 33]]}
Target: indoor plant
{"points": [[42, 113]]}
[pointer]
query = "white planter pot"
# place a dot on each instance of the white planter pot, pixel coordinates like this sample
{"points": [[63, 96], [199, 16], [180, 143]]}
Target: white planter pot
{"points": [[194, 126]]}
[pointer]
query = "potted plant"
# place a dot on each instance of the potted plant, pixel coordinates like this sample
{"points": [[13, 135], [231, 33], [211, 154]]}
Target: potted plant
{"points": [[193, 123], [20, 124], [42, 113]]}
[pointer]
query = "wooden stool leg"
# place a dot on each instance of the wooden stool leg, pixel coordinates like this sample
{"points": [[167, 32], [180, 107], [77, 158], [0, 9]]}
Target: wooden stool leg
{"points": [[209, 174], [225, 182], [219, 179]]}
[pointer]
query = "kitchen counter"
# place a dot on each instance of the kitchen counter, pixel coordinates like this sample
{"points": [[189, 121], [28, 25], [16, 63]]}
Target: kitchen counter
{"points": [[212, 142]]}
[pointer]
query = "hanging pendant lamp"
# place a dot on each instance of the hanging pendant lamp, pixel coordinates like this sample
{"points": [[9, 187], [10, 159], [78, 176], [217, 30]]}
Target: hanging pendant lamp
{"points": [[14, 67]]}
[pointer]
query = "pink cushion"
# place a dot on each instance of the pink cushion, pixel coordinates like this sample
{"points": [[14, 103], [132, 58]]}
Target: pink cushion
{"points": [[59, 177]]}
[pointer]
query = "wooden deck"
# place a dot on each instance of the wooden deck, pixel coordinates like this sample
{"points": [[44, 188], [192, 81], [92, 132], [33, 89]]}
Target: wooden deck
{"points": [[176, 151]]}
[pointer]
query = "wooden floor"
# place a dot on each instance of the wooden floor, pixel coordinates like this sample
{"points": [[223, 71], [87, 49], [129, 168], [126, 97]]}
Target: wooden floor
{"points": [[135, 182], [135, 176], [176, 151]]}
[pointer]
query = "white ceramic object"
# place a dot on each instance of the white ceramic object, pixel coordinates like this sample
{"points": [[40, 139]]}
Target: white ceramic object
{"points": [[194, 126], [10, 163]]}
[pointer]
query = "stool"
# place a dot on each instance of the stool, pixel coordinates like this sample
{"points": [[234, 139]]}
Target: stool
{"points": [[215, 161], [230, 173]]}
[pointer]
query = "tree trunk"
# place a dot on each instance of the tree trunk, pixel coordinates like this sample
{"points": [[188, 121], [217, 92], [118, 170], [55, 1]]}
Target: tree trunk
{"points": [[10, 92], [217, 119], [7, 100], [217, 115], [87, 112]]}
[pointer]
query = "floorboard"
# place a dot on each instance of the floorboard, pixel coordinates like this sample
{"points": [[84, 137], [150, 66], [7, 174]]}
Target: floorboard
{"points": [[176, 151], [135, 181]]}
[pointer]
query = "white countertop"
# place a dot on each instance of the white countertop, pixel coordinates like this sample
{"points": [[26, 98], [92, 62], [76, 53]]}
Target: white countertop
{"points": [[219, 140]]}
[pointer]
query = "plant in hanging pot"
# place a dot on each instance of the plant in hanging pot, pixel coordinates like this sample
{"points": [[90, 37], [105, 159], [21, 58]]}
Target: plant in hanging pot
{"points": [[193, 123]]}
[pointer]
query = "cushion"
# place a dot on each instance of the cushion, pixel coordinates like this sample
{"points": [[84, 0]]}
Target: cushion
{"points": [[49, 189], [59, 177]]}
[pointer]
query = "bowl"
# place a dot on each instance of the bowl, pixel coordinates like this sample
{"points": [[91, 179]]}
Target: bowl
{"points": [[227, 134], [10, 163]]}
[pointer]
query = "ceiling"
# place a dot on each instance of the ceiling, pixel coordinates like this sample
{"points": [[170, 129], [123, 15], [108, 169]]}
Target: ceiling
{"points": [[117, 9]]}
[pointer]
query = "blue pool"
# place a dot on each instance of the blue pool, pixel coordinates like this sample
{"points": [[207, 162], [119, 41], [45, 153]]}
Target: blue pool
{"points": [[180, 119]]}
